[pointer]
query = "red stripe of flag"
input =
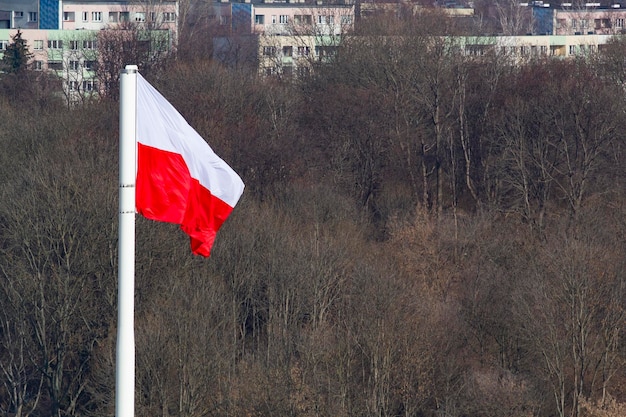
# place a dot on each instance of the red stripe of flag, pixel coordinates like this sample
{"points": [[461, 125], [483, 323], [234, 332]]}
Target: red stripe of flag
{"points": [[179, 177]]}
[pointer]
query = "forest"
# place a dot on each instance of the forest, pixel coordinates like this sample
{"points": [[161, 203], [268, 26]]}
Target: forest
{"points": [[423, 233]]}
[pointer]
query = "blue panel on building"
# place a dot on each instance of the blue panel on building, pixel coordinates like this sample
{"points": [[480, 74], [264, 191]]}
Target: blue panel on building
{"points": [[543, 20], [49, 14], [242, 17]]}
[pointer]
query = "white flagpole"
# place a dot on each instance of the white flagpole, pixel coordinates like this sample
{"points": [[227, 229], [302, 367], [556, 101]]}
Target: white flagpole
{"points": [[125, 357]]}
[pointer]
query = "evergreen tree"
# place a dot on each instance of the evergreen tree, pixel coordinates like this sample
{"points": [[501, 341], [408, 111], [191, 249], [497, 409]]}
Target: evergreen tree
{"points": [[16, 56], [18, 83]]}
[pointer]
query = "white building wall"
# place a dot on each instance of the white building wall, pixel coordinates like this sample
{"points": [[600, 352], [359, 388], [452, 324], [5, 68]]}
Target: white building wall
{"points": [[302, 19], [99, 15]]}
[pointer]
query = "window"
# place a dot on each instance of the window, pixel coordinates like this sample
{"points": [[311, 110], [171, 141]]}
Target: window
{"points": [[38, 45], [269, 50], [90, 85], [283, 18], [114, 17], [32, 16], [152, 16], [304, 51], [561, 23], [90, 44], [287, 51], [90, 65], [124, 16], [68, 16], [18, 15], [325, 20], [169, 17], [619, 23], [273, 19], [73, 45], [85, 16], [325, 51], [584, 23], [73, 85], [259, 19], [38, 65], [55, 65], [74, 65], [572, 49], [303, 71], [96, 16], [304, 19], [472, 50], [55, 44], [140, 17], [574, 23], [346, 20], [543, 49], [270, 71], [3, 45]]}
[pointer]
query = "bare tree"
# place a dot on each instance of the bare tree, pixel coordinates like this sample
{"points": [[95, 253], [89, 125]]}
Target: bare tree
{"points": [[120, 47], [566, 319]]}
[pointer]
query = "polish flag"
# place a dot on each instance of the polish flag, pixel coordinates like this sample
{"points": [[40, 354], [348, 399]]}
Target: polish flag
{"points": [[179, 177]]}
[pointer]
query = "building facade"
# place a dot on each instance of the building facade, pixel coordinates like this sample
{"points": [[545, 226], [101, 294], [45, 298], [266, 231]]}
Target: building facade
{"points": [[521, 48], [283, 18], [587, 19], [20, 14], [281, 38], [89, 15], [296, 56], [63, 36]]}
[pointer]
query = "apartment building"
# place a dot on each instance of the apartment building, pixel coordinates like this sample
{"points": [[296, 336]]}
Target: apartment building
{"points": [[579, 19], [277, 55], [96, 15], [281, 38], [295, 56], [271, 17], [73, 55], [520, 48], [89, 15], [290, 19], [63, 35], [24, 14]]}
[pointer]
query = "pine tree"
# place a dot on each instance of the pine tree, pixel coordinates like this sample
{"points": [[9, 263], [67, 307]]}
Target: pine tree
{"points": [[16, 56]]}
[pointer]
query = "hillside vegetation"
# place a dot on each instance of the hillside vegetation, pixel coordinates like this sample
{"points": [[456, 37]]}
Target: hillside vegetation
{"points": [[422, 234]]}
